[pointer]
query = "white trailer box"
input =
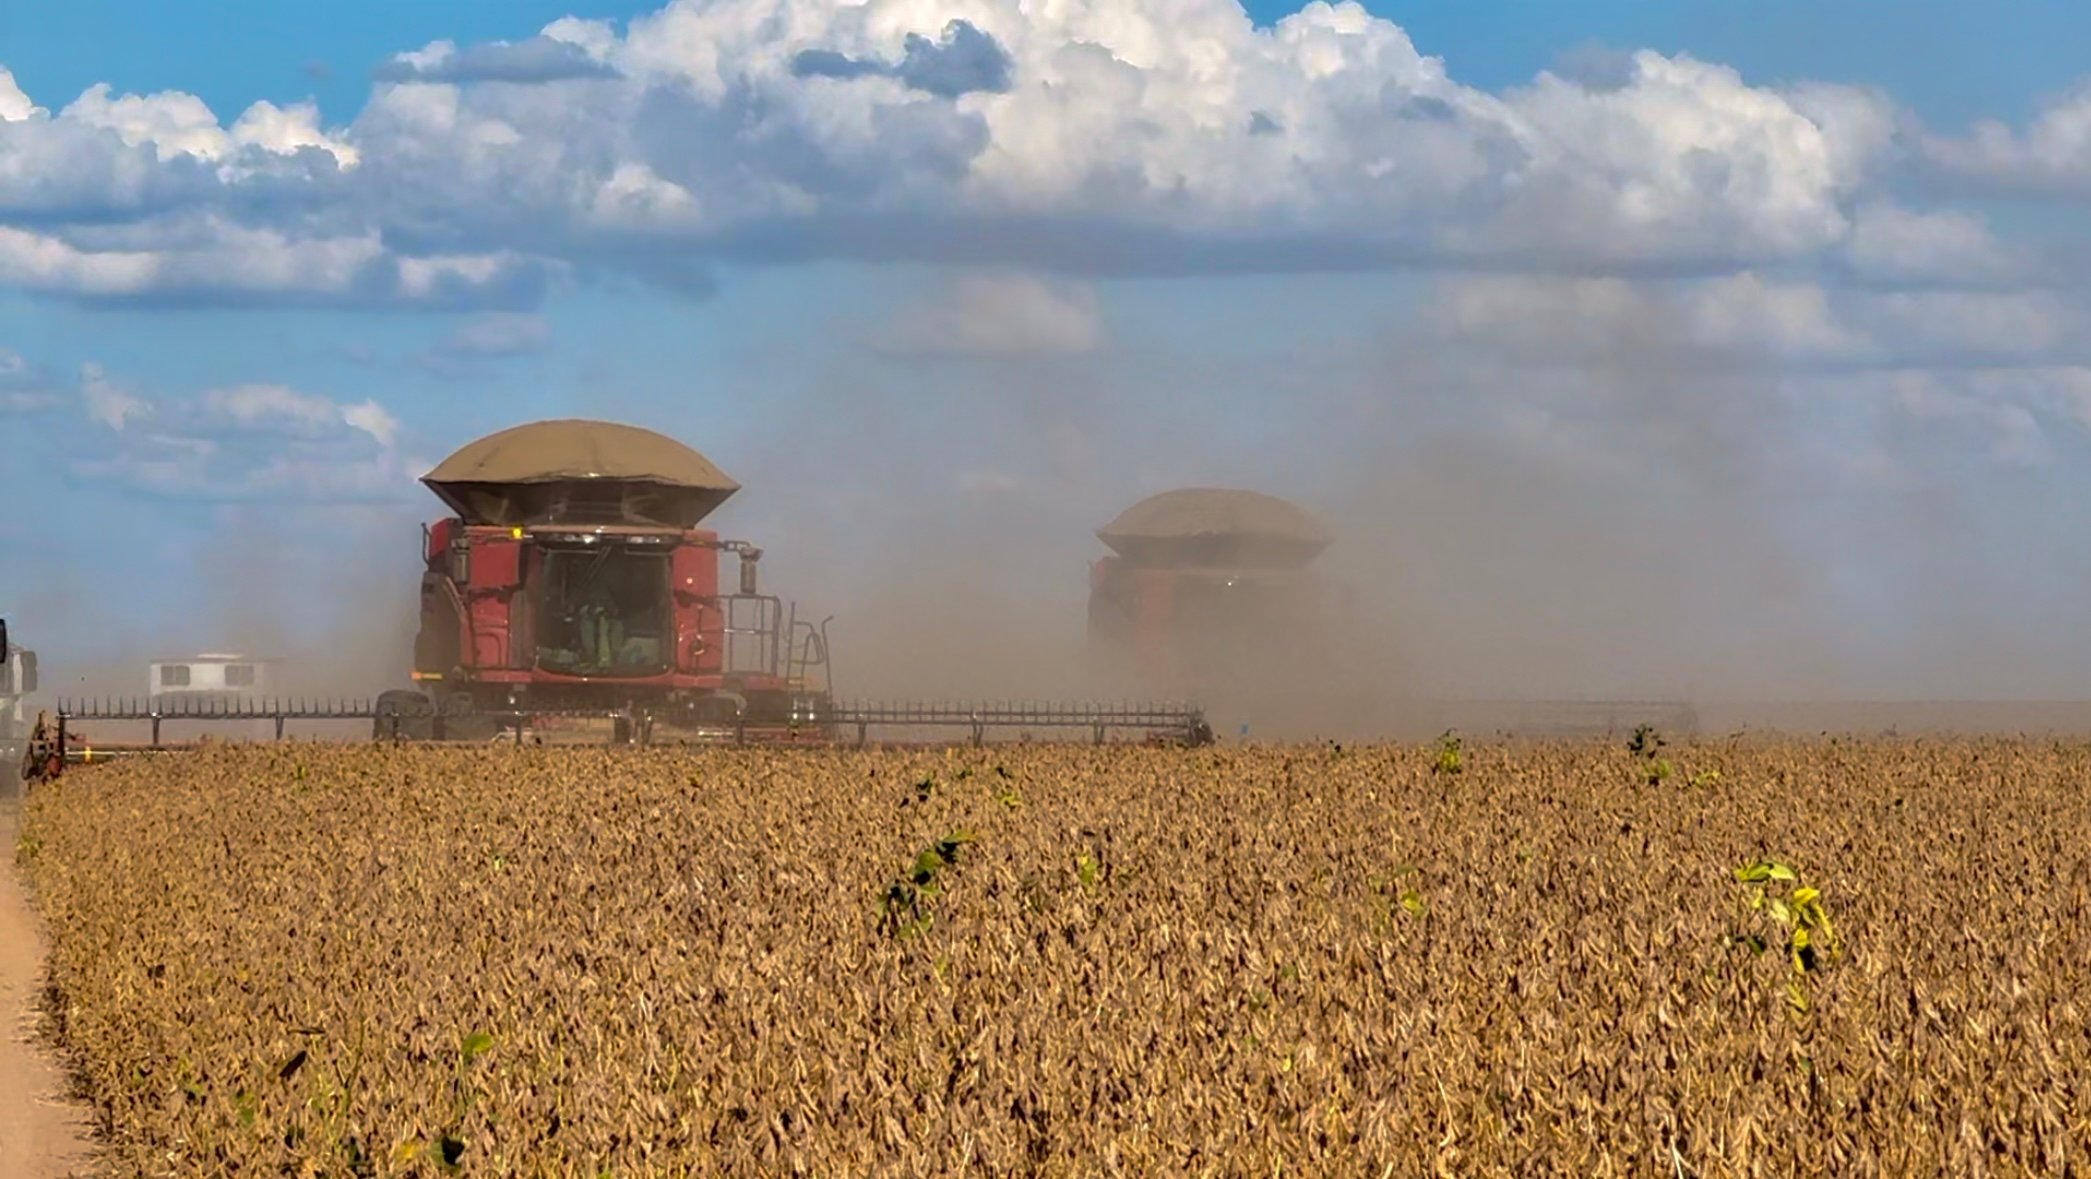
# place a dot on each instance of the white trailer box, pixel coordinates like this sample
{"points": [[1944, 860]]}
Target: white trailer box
{"points": [[210, 678]]}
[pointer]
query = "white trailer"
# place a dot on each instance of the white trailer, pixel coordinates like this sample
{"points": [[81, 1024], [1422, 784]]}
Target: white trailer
{"points": [[213, 677]]}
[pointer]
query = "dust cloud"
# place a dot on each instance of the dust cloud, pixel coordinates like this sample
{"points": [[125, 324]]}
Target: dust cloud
{"points": [[328, 594], [1549, 504]]}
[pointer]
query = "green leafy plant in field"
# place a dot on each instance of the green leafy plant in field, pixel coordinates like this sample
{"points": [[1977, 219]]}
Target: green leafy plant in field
{"points": [[1086, 868], [1798, 920], [1005, 789], [1646, 741], [907, 908], [334, 1095], [1095, 865], [1411, 896], [1648, 744], [1399, 890], [1450, 757]]}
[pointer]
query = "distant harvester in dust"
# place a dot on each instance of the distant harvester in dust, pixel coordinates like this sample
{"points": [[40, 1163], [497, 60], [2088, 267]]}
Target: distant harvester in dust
{"points": [[1211, 591]]}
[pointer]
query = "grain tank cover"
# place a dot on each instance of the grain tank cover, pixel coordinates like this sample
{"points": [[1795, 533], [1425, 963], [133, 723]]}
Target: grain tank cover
{"points": [[577, 471], [1216, 527]]}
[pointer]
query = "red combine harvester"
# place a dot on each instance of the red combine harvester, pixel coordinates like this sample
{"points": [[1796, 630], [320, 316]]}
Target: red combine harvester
{"points": [[1214, 594], [574, 580]]}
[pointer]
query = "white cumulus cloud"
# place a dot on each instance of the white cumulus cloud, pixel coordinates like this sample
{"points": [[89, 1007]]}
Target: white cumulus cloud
{"points": [[284, 130], [1135, 135], [1949, 246], [372, 419], [171, 122], [233, 442], [107, 403], [14, 104], [2052, 152]]}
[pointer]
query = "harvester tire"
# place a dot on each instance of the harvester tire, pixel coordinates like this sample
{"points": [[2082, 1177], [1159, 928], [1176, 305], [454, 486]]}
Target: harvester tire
{"points": [[413, 714]]}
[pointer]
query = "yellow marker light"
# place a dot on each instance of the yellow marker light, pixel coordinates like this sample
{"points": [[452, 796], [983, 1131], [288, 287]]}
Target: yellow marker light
{"points": [[516, 532]]}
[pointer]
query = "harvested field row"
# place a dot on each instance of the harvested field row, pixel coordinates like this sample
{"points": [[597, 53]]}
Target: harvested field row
{"points": [[1046, 961]]}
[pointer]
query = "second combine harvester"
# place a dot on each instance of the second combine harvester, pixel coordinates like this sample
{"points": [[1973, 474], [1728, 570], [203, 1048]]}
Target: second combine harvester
{"points": [[1212, 592]]}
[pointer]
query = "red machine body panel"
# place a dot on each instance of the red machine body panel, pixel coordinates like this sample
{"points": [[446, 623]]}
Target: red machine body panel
{"points": [[1181, 628], [574, 578], [693, 570], [504, 606]]}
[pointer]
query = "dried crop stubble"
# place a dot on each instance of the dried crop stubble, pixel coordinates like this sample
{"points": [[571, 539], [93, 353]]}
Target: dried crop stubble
{"points": [[1146, 962]]}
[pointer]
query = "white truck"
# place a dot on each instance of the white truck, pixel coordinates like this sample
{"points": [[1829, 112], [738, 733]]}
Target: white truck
{"points": [[17, 682]]}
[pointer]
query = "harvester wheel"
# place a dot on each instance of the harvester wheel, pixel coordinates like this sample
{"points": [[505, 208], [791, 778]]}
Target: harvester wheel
{"points": [[718, 708], [462, 723], [769, 709], [635, 728], [404, 713]]}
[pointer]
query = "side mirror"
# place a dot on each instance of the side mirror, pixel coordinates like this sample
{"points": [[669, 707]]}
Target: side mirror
{"points": [[28, 683]]}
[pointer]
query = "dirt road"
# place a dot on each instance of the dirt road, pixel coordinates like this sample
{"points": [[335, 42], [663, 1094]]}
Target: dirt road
{"points": [[42, 1136]]}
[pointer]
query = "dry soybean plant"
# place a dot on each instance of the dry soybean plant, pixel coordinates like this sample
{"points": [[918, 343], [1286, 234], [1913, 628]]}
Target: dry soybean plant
{"points": [[1079, 961]]}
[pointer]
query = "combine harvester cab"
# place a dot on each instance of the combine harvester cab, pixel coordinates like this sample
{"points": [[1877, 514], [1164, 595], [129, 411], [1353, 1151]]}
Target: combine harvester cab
{"points": [[574, 581]]}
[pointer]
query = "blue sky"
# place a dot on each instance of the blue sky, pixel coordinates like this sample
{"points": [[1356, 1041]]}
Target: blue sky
{"points": [[1751, 329]]}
